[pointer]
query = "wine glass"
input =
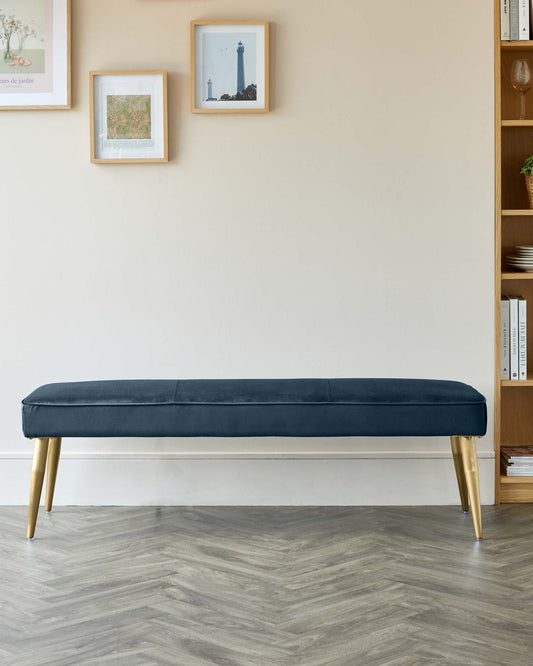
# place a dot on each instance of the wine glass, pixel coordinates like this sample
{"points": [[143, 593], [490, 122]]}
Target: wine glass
{"points": [[521, 80]]}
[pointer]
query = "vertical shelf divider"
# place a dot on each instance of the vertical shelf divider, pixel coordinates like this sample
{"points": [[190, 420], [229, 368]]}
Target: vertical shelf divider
{"points": [[498, 243]]}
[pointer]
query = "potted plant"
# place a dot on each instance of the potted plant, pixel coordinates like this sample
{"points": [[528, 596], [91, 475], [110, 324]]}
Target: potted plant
{"points": [[527, 170]]}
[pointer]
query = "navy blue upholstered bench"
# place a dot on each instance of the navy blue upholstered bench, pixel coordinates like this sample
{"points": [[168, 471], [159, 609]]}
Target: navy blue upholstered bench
{"points": [[255, 408]]}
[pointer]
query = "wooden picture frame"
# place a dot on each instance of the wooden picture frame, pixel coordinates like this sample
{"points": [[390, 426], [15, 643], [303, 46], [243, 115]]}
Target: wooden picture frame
{"points": [[139, 133], [30, 38], [228, 60]]}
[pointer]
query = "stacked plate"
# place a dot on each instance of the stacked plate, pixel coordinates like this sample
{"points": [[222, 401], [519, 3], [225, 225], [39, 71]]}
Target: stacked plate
{"points": [[523, 259]]}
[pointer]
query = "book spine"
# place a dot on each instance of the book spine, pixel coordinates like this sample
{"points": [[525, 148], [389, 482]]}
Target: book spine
{"points": [[522, 338], [504, 20], [513, 18], [505, 371], [513, 336], [523, 20]]}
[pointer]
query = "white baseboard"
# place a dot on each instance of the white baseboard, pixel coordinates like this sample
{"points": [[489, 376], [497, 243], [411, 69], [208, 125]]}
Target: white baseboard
{"points": [[239, 455], [248, 478]]}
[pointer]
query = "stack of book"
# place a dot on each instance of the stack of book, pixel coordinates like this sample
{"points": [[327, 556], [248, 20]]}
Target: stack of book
{"points": [[513, 338], [514, 19], [517, 460]]}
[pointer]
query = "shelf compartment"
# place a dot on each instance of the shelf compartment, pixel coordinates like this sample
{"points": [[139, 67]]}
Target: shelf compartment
{"points": [[516, 146], [516, 413], [510, 111], [513, 399], [517, 230]]}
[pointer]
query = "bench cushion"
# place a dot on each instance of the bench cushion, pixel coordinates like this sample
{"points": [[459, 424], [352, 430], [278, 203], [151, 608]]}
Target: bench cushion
{"points": [[254, 408]]}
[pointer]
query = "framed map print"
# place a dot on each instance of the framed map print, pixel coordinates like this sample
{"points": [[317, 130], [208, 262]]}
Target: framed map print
{"points": [[35, 54], [129, 116]]}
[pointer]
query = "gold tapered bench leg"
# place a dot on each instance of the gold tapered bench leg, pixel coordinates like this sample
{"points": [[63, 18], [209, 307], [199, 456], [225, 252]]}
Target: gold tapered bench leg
{"points": [[54, 451], [36, 483], [467, 447], [460, 473]]}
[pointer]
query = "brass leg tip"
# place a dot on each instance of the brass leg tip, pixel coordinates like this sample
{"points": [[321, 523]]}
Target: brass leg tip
{"points": [[29, 538], [479, 538], [48, 511]]}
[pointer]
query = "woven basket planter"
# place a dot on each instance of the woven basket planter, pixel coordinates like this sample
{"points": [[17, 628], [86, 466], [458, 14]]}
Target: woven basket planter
{"points": [[529, 186]]}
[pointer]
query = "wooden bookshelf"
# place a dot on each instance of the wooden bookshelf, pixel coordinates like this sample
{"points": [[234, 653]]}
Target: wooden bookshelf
{"points": [[513, 408]]}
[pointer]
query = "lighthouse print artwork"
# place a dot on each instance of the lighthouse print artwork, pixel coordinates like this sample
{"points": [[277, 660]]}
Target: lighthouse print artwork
{"points": [[229, 67]]}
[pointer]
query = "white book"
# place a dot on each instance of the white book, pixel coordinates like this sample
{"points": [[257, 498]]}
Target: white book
{"points": [[513, 18], [504, 20], [519, 471], [505, 368], [523, 20], [522, 338], [513, 336]]}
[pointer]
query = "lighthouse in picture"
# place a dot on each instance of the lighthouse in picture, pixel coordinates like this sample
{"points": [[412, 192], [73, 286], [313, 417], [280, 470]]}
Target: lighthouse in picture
{"points": [[240, 67], [210, 97]]}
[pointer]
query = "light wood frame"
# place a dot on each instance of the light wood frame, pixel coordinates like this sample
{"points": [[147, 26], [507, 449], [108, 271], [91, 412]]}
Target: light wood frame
{"points": [[266, 107], [51, 107], [130, 160]]}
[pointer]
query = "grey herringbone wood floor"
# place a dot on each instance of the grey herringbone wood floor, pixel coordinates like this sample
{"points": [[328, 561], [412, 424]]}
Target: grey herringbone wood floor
{"points": [[266, 587]]}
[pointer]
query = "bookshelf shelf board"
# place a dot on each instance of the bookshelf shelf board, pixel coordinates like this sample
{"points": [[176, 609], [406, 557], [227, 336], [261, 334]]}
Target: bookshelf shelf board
{"points": [[525, 44], [516, 383], [517, 123], [517, 276], [517, 212], [516, 479]]}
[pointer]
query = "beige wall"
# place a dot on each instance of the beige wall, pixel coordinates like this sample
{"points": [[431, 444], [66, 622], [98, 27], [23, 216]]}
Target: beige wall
{"points": [[347, 233]]}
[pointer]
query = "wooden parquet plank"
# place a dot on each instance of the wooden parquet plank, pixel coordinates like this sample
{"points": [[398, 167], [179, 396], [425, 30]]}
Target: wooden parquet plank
{"points": [[283, 586]]}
